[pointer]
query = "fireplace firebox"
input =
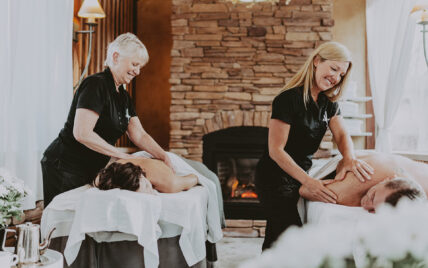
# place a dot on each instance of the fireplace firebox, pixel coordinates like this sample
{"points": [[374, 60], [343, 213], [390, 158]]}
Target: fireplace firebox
{"points": [[232, 154]]}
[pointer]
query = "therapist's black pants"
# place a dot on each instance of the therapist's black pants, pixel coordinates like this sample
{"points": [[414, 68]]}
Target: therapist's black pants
{"points": [[58, 179], [278, 197]]}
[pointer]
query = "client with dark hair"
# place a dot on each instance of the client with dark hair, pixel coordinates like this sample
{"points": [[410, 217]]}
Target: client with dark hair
{"points": [[391, 191], [142, 175], [123, 176], [410, 193]]}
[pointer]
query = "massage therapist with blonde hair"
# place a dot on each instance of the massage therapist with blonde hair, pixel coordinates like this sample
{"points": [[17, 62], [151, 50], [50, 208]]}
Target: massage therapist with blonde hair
{"points": [[301, 114], [100, 113]]}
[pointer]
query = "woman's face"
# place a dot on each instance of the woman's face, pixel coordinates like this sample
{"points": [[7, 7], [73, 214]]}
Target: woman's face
{"points": [[329, 73], [126, 68]]}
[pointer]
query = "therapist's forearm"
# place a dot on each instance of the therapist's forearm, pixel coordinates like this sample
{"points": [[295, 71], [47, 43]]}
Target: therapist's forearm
{"points": [[346, 146], [147, 143], [287, 164], [94, 142]]}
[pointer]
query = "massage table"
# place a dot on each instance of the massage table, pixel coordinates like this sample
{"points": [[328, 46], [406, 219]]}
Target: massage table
{"points": [[321, 213], [119, 228]]}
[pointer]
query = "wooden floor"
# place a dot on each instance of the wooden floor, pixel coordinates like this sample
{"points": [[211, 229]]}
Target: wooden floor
{"points": [[233, 251]]}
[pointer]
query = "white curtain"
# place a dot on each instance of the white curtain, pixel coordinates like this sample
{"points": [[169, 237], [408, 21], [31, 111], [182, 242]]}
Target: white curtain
{"points": [[390, 35], [36, 84]]}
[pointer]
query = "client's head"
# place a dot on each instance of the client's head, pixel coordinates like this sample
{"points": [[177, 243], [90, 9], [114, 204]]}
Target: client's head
{"points": [[123, 176], [391, 191]]}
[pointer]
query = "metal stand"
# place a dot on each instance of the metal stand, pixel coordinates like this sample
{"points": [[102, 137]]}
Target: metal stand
{"points": [[424, 30], [88, 58]]}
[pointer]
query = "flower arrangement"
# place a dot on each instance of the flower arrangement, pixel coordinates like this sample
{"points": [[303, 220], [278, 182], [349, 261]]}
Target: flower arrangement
{"points": [[393, 237], [12, 190]]}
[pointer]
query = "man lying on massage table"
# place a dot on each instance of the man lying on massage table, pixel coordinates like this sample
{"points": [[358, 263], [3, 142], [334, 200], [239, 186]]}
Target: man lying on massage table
{"points": [[139, 174], [394, 177]]}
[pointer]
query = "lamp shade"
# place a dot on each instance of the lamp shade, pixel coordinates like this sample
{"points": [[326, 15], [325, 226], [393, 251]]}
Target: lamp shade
{"points": [[421, 5], [424, 17], [91, 9]]}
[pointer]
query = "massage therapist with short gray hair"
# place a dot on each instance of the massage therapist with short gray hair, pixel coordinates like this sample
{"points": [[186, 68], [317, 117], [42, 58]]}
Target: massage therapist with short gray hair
{"points": [[101, 112]]}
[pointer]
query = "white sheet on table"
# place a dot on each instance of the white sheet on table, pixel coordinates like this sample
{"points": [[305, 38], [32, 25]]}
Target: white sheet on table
{"points": [[181, 213], [190, 215], [60, 212], [318, 171], [327, 213], [117, 211]]}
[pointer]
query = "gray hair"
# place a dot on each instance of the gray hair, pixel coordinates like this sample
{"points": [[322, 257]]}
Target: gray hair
{"points": [[126, 44]]}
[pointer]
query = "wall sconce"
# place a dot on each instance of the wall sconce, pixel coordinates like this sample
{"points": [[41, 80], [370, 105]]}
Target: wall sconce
{"points": [[91, 10], [423, 9]]}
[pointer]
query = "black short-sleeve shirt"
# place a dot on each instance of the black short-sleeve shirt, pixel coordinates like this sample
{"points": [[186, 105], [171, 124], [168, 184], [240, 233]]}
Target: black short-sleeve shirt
{"points": [[307, 125], [97, 93]]}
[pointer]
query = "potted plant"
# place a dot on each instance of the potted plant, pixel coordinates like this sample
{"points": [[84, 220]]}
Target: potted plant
{"points": [[12, 191]]}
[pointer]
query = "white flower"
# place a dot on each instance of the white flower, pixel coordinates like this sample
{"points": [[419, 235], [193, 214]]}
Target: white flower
{"points": [[309, 246], [3, 191], [389, 235]]}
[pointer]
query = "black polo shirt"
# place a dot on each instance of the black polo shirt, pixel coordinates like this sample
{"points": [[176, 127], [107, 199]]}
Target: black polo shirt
{"points": [[97, 93], [307, 125]]}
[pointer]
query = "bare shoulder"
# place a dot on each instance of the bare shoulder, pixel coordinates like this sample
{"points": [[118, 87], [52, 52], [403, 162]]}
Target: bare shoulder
{"points": [[135, 161]]}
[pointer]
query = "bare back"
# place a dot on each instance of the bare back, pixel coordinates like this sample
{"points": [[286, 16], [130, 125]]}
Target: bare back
{"points": [[350, 190], [161, 176], [155, 170]]}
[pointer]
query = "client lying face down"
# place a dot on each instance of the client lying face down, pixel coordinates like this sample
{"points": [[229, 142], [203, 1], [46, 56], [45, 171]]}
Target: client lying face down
{"points": [[394, 177], [140, 174]]}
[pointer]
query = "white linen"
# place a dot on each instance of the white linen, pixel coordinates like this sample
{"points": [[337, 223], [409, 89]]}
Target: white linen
{"points": [[325, 213], [194, 214], [390, 36], [319, 170], [117, 211], [51, 259], [191, 216], [351, 217], [36, 84]]}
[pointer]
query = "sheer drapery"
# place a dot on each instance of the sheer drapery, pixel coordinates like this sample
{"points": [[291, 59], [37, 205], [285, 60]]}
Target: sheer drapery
{"points": [[410, 128], [390, 36], [36, 90]]}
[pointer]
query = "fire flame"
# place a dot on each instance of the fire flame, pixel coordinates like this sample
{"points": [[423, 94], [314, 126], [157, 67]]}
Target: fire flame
{"points": [[249, 195], [234, 186]]}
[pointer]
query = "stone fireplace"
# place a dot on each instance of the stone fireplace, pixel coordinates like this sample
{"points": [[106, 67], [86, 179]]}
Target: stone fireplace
{"points": [[233, 153], [228, 63]]}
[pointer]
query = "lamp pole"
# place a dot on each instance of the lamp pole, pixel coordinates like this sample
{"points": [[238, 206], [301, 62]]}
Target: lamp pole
{"points": [[88, 58], [424, 31]]}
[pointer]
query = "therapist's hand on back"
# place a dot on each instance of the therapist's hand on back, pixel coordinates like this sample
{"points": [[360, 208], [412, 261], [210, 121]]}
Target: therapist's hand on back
{"points": [[316, 190], [167, 161], [360, 168]]}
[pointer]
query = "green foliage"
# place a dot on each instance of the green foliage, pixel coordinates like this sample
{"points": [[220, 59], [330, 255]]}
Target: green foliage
{"points": [[10, 198]]}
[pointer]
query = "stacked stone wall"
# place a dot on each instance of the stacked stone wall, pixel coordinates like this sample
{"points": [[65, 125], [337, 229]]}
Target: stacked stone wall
{"points": [[230, 60]]}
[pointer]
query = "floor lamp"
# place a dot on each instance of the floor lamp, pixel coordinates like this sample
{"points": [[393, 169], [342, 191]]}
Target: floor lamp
{"points": [[423, 8], [91, 10]]}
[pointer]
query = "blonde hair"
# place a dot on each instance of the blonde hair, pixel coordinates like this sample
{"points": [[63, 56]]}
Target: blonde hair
{"points": [[126, 44], [305, 76]]}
